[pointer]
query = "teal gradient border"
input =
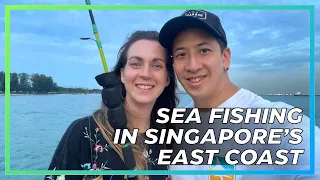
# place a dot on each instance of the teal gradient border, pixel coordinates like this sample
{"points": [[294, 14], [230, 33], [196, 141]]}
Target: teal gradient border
{"points": [[9, 8]]}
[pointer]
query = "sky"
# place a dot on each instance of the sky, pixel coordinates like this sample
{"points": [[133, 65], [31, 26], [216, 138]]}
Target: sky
{"points": [[270, 49]]}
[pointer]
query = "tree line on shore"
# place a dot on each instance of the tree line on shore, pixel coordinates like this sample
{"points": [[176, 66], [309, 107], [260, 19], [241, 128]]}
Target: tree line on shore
{"points": [[23, 83]]}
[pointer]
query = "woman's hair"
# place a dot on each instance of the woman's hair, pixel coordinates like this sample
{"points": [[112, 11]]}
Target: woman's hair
{"points": [[167, 99]]}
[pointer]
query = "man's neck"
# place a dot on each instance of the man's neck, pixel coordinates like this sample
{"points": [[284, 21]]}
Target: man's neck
{"points": [[219, 96]]}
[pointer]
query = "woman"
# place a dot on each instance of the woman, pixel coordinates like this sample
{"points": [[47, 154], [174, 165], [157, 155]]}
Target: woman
{"points": [[144, 69]]}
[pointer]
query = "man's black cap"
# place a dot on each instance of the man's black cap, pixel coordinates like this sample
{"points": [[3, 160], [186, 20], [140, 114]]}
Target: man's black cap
{"points": [[191, 19]]}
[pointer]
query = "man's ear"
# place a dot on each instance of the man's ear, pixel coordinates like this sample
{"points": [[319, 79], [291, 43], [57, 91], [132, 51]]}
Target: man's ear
{"points": [[226, 58]]}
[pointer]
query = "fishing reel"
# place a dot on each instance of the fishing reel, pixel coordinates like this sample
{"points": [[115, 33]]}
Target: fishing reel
{"points": [[112, 98]]}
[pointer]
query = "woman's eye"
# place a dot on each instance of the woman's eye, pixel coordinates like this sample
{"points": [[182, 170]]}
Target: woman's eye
{"points": [[134, 64], [158, 66]]}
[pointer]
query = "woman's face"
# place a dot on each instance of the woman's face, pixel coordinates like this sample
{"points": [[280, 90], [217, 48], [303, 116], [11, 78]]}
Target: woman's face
{"points": [[145, 75]]}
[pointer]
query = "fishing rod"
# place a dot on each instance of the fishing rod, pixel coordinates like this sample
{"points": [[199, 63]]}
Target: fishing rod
{"points": [[112, 98], [95, 31]]}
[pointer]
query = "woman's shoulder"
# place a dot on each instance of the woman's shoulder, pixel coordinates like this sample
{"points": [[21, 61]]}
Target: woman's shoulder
{"points": [[78, 128], [81, 123]]}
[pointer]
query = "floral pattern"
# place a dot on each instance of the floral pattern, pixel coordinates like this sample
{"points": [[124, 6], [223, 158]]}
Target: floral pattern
{"points": [[97, 148], [51, 177], [98, 160], [62, 177]]}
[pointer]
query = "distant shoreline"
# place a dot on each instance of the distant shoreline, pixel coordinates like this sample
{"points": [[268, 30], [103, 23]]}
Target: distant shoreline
{"points": [[276, 94], [43, 94]]}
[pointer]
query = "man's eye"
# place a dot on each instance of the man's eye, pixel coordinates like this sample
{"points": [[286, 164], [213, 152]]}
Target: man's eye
{"points": [[204, 50], [180, 55]]}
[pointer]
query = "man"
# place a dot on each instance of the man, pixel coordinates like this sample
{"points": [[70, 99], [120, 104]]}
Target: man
{"points": [[201, 58]]}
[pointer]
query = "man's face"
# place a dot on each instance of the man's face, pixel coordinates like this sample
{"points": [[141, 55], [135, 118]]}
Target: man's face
{"points": [[199, 64]]}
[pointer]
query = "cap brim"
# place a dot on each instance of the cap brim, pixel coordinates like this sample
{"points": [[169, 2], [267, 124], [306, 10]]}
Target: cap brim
{"points": [[173, 27]]}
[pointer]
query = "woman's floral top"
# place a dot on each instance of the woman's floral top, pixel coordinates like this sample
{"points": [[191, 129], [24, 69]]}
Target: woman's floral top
{"points": [[83, 147]]}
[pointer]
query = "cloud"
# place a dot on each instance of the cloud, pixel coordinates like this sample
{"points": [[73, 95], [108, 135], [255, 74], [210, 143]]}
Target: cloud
{"points": [[45, 20], [235, 66], [30, 48], [52, 42], [32, 39], [266, 64], [296, 52], [275, 34], [44, 2], [259, 31], [263, 52], [271, 33], [259, 36], [286, 81], [33, 57]]}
